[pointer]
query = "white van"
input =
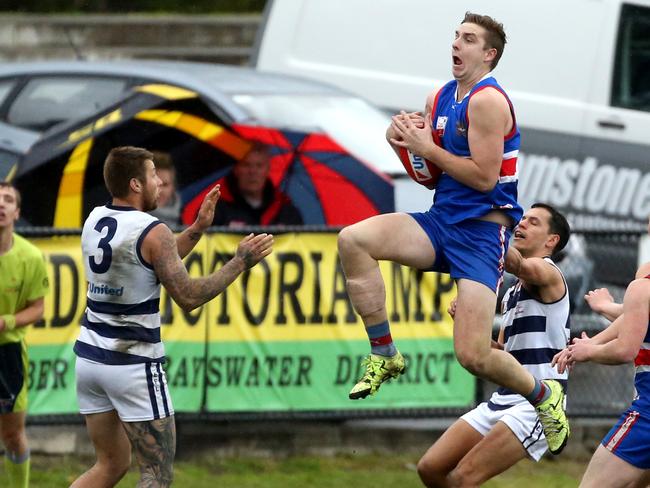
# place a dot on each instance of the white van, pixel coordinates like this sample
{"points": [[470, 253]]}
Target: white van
{"points": [[578, 73]]}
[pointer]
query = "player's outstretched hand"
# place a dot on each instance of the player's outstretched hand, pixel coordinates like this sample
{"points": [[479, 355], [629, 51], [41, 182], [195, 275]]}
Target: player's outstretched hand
{"points": [[577, 351], [253, 248], [562, 360], [206, 213], [598, 299]]}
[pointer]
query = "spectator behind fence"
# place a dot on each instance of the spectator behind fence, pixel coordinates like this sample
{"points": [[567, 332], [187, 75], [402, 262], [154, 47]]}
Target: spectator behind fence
{"points": [[248, 197], [169, 201], [23, 285]]}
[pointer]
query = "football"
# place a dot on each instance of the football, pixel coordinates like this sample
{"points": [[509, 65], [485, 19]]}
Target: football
{"points": [[420, 170]]}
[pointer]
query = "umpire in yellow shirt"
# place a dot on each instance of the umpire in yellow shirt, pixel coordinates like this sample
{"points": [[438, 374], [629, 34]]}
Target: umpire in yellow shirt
{"points": [[23, 285]]}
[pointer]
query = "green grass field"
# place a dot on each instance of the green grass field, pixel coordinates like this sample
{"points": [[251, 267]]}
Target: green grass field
{"points": [[316, 472]]}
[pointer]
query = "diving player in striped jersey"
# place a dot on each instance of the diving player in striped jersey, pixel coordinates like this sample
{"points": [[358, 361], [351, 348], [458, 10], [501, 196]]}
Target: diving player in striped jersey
{"points": [[623, 457], [500, 432], [127, 253]]}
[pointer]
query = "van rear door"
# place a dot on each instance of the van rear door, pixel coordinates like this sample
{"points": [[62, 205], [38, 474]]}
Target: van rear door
{"points": [[616, 143]]}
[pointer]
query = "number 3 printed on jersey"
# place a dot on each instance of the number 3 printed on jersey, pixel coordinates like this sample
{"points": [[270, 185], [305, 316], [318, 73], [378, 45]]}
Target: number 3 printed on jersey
{"points": [[107, 251]]}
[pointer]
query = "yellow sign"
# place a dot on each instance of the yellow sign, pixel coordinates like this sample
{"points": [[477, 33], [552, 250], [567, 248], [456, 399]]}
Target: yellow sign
{"points": [[296, 294]]}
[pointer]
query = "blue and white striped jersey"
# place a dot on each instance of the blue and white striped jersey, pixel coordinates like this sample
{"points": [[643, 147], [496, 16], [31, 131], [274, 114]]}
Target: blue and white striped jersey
{"points": [[533, 333], [121, 323]]}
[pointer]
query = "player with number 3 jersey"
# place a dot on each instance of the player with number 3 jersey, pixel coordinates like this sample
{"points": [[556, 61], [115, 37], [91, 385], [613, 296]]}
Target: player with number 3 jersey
{"points": [[121, 324], [128, 254]]}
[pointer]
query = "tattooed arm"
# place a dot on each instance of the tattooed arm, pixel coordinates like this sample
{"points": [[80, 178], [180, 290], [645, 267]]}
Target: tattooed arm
{"points": [[186, 240], [154, 444], [159, 249]]}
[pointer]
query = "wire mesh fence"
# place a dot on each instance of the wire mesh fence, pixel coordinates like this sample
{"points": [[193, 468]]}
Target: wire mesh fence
{"points": [[594, 389], [592, 259]]}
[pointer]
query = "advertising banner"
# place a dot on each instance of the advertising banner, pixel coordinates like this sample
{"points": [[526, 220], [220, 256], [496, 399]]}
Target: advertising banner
{"points": [[283, 337]]}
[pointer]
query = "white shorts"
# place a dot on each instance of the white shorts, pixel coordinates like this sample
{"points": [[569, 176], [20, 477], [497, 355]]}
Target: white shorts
{"points": [[138, 392], [521, 419]]}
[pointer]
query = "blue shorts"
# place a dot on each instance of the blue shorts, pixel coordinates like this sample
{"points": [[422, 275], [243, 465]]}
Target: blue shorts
{"points": [[629, 439], [471, 249]]}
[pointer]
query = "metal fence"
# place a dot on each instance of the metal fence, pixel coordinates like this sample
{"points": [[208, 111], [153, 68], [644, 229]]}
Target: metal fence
{"points": [[592, 259]]}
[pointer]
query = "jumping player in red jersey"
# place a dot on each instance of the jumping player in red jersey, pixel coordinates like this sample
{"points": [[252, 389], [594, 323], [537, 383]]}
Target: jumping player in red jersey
{"points": [[470, 133], [500, 432]]}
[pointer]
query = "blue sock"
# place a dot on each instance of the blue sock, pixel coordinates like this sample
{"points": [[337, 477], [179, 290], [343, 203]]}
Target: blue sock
{"points": [[381, 342], [540, 393]]}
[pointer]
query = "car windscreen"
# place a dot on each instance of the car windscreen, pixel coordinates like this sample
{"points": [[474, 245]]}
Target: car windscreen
{"points": [[352, 122], [50, 100]]}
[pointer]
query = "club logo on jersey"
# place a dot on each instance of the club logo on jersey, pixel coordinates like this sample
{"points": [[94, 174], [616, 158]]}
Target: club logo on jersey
{"points": [[461, 128], [441, 123], [102, 289]]}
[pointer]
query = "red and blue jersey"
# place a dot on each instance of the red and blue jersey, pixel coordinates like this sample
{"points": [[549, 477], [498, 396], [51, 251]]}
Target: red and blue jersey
{"points": [[642, 369], [453, 200], [629, 439]]}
